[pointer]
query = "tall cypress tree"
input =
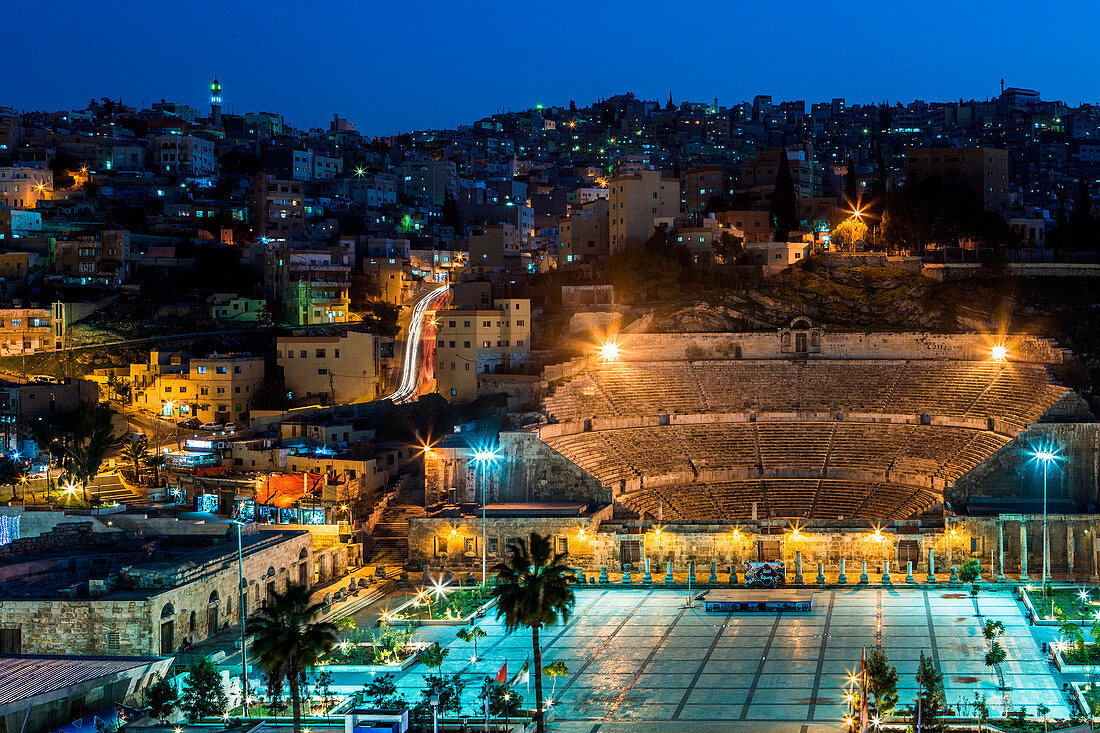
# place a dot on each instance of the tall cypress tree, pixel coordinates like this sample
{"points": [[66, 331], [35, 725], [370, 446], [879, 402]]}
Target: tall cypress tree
{"points": [[784, 200], [851, 188], [1081, 223]]}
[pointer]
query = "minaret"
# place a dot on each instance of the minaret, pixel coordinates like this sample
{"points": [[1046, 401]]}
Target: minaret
{"points": [[215, 103]]}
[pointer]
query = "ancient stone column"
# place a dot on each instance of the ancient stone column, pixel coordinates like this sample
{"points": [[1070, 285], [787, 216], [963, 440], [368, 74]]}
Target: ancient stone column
{"points": [[886, 572], [1000, 550], [1095, 575], [1069, 551], [863, 574], [647, 578], [798, 567], [733, 575], [821, 573], [626, 575], [691, 571], [931, 566], [909, 572], [842, 578], [1023, 551], [668, 574], [603, 574], [713, 579]]}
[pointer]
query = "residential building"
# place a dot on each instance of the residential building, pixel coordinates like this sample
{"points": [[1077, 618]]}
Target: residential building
{"points": [[103, 259], [235, 308], [310, 284], [636, 200], [491, 246], [703, 183], [985, 170], [758, 176], [583, 235], [22, 187], [480, 341], [213, 389], [339, 368], [278, 208], [184, 154]]}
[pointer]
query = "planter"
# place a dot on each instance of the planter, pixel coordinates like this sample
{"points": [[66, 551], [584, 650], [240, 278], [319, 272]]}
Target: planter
{"points": [[379, 668], [395, 618], [1039, 619], [1067, 667]]}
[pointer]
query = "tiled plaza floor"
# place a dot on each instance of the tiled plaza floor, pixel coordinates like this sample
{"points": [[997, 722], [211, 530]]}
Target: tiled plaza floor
{"points": [[639, 654]]}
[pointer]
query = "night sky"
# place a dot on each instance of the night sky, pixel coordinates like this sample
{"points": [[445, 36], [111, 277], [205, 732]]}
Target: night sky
{"points": [[394, 66]]}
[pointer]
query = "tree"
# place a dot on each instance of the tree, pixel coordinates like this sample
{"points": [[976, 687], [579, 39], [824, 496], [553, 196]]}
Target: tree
{"points": [[136, 452], [851, 186], [450, 215], [78, 441], [729, 249], [995, 655], [1072, 633], [156, 462], [784, 208], [553, 671], [882, 681], [971, 571], [992, 629], [382, 692], [472, 634], [203, 694], [1043, 710], [447, 689], [533, 590], [322, 683], [1082, 225], [981, 710], [433, 658], [502, 701], [10, 475], [289, 640], [930, 704], [642, 275], [848, 232], [162, 698]]}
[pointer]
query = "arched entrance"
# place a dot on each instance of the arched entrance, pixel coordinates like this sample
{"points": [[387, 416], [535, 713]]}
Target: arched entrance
{"points": [[168, 629], [212, 614]]}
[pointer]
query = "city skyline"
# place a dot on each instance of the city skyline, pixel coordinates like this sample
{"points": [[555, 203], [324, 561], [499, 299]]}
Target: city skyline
{"points": [[438, 71]]}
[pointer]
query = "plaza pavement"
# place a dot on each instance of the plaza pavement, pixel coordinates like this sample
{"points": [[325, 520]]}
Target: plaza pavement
{"points": [[638, 655]]}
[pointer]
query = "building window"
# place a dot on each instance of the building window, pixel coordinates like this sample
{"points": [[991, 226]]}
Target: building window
{"points": [[320, 353]]}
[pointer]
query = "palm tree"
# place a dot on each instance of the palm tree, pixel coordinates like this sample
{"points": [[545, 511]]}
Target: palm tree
{"points": [[289, 641], [156, 462], [533, 590], [136, 452]]}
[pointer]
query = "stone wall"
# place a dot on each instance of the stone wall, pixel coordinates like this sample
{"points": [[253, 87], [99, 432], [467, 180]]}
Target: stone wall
{"points": [[994, 541], [129, 622], [969, 347], [526, 470], [455, 543], [1012, 471]]}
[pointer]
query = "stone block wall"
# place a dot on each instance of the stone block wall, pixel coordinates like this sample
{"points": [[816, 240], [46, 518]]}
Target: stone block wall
{"points": [[455, 543]]}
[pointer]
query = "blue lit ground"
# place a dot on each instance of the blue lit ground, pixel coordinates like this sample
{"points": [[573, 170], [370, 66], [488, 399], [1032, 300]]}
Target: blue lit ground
{"points": [[638, 655]]}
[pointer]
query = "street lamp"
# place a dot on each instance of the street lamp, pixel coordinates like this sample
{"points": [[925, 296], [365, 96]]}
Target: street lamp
{"points": [[609, 350], [1045, 456], [484, 457], [244, 657]]}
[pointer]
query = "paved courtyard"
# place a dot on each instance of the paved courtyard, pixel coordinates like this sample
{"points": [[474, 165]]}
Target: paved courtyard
{"points": [[640, 655]]}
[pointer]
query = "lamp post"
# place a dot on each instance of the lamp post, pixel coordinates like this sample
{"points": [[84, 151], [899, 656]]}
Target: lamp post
{"points": [[244, 657], [1046, 456], [483, 457]]}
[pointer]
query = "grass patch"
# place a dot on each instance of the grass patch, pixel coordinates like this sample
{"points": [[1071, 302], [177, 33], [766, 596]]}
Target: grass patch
{"points": [[457, 603]]}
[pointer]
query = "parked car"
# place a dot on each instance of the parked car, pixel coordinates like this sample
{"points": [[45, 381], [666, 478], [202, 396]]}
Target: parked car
{"points": [[191, 423], [210, 426], [230, 427]]}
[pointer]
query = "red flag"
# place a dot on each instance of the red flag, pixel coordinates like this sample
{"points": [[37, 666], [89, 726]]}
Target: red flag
{"points": [[502, 675]]}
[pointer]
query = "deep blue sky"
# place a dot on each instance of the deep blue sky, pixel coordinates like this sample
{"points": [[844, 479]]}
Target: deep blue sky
{"points": [[391, 66]]}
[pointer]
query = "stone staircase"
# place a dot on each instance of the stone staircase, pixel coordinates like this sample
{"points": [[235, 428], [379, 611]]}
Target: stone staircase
{"points": [[391, 535]]}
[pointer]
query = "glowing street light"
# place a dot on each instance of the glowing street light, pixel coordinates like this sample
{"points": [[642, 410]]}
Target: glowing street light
{"points": [[609, 351], [1045, 455], [484, 457]]}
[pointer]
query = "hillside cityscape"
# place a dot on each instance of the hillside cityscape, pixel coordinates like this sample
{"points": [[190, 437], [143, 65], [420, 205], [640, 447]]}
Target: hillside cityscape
{"points": [[591, 417]]}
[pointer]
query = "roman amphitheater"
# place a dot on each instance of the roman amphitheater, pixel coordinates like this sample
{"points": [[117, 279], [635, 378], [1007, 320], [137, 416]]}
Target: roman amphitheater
{"points": [[732, 447]]}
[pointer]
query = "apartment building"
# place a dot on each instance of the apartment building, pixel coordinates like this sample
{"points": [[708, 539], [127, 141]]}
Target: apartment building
{"points": [[480, 341], [184, 154], [216, 388], [703, 183], [103, 259], [758, 176], [636, 200], [583, 236], [278, 208], [983, 169], [22, 187], [336, 368]]}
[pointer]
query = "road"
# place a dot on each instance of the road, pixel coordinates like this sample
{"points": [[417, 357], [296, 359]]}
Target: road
{"points": [[416, 365]]}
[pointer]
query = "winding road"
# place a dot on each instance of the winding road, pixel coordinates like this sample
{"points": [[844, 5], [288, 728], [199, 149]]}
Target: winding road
{"points": [[414, 369]]}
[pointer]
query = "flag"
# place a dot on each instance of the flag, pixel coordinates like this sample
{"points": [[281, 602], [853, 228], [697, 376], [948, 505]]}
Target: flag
{"points": [[522, 676], [502, 674]]}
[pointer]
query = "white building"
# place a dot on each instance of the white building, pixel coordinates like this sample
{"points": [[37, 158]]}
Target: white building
{"points": [[23, 187]]}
